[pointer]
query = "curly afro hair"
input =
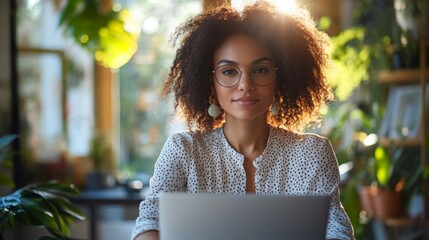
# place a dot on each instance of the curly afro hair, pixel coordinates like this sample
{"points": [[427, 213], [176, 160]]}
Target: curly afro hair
{"points": [[301, 55]]}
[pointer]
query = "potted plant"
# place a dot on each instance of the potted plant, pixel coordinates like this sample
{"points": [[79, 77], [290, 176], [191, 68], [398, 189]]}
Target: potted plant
{"points": [[397, 176], [103, 160], [39, 204]]}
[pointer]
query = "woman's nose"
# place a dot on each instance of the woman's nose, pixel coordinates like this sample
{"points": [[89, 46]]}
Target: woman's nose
{"points": [[246, 83]]}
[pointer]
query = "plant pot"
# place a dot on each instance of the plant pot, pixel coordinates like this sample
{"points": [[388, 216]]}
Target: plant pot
{"points": [[387, 203], [410, 20], [365, 196]]}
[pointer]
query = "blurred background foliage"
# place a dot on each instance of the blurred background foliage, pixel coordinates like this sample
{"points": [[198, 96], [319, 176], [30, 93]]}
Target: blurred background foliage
{"points": [[373, 43], [110, 35], [145, 119]]}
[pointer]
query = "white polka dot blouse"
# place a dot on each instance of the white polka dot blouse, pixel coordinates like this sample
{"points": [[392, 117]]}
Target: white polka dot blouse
{"points": [[292, 164]]}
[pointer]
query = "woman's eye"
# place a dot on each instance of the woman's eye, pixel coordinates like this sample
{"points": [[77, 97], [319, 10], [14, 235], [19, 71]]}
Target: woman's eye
{"points": [[229, 71], [260, 70]]}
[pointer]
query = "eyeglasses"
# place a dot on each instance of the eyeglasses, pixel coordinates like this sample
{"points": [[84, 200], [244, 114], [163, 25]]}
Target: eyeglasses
{"points": [[262, 74]]}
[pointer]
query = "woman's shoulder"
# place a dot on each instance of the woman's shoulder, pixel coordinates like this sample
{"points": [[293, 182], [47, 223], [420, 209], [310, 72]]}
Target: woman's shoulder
{"points": [[310, 145], [285, 135], [195, 137]]}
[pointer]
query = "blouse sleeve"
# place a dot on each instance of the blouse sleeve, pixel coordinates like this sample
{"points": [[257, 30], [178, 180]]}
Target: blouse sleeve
{"points": [[339, 225], [169, 176]]}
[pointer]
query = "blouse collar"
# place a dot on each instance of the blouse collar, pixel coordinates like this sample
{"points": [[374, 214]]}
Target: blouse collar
{"points": [[232, 150]]}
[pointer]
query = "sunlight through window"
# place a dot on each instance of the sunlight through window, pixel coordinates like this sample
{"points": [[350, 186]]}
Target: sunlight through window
{"points": [[282, 5], [237, 4]]}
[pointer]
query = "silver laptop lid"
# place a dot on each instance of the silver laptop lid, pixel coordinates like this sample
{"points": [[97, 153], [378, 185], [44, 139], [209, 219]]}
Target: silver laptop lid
{"points": [[234, 217]]}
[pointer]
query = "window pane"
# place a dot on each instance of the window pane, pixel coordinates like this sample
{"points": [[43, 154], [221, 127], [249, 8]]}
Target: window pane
{"points": [[55, 86], [144, 117]]}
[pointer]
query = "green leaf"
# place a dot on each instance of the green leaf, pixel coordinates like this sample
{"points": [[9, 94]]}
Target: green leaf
{"points": [[426, 172], [351, 61], [6, 219], [35, 214], [383, 166], [111, 37], [4, 181], [43, 216], [397, 158], [44, 194], [69, 11], [67, 208], [61, 226], [43, 204], [414, 178], [58, 188]]}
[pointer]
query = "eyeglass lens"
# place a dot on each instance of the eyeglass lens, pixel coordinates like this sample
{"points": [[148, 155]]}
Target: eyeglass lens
{"points": [[230, 75]]}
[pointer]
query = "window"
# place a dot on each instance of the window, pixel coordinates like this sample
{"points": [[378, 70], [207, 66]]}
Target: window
{"points": [[55, 88], [145, 118]]}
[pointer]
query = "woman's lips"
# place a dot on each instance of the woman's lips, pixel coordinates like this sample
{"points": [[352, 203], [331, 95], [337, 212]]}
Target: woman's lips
{"points": [[245, 101]]}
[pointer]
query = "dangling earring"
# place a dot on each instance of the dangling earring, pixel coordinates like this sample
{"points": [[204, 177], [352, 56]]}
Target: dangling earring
{"points": [[214, 110], [275, 107]]}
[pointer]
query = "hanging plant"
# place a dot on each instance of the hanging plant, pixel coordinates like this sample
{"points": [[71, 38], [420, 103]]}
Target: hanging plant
{"points": [[111, 36]]}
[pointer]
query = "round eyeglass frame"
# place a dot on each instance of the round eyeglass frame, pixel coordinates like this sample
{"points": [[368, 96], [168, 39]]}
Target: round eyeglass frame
{"points": [[241, 74]]}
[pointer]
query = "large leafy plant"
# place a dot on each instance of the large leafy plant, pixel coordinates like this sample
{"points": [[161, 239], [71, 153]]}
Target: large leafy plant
{"points": [[39, 204], [395, 169], [111, 36]]}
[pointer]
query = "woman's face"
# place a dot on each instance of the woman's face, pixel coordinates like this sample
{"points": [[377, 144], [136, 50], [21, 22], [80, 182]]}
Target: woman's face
{"points": [[245, 100]]}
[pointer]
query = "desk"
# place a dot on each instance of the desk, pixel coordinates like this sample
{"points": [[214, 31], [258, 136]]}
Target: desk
{"points": [[113, 196]]}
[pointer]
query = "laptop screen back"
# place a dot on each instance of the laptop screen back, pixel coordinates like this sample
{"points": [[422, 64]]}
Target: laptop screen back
{"points": [[234, 217]]}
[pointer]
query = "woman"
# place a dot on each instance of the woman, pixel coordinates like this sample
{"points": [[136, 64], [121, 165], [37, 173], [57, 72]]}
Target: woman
{"points": [[248, 84]]}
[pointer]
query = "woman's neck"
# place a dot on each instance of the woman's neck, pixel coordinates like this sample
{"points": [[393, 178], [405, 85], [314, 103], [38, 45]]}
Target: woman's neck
{"points": [[248, 138]]}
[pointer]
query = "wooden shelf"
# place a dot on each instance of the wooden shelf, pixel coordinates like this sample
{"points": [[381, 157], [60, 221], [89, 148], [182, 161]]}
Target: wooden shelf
{"points": [[415, 142], [402, 76], [400, 222], [406, 222]]}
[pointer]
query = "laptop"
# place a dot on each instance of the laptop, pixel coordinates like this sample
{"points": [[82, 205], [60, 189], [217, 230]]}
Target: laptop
{"points": [[235, 217]]}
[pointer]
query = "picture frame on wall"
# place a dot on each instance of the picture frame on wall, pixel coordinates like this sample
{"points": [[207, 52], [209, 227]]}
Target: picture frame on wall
{"points": [[403, 114]]}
